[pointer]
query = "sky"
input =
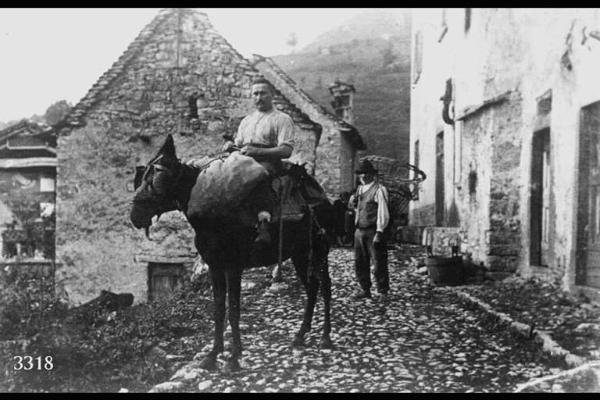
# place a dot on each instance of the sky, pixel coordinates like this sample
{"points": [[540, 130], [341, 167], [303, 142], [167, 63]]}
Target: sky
{"points": [[51, 54]]}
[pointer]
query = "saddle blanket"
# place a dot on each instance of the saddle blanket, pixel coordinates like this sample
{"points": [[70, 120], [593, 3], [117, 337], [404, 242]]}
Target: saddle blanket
{"points": [[224, 184]]}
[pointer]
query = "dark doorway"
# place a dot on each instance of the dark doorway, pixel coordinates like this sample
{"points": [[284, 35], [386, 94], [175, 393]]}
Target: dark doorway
{"points": [[439, 179], [163, 279], [588, 218], [540, 199]]}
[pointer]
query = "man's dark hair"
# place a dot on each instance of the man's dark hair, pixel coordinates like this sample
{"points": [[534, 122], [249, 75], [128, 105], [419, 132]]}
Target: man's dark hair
{"points": [[261, 80]]}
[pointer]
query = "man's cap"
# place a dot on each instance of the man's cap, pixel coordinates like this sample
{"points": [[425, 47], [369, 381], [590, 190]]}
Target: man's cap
{"points": [[365, 167]]}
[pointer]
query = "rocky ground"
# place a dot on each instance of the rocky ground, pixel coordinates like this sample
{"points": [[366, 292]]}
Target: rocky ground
{"points": [[573, 322], [422, 339]]}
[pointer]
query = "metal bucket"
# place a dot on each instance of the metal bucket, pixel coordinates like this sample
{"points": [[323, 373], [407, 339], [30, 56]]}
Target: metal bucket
{"points": [[445, 271]]}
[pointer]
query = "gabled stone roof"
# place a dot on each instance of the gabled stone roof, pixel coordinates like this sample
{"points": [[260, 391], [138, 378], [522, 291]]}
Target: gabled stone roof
{"points": [[267, 66], [76, 116]]}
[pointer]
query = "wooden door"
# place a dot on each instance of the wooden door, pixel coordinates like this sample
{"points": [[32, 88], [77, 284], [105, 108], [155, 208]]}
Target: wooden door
{"points": [[588, 265], [439, 180], [164, 279], [540, 199], [546, 175]]}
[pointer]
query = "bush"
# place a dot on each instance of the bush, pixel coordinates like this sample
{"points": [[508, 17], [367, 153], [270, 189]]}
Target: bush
{"points": [[104, 351]]}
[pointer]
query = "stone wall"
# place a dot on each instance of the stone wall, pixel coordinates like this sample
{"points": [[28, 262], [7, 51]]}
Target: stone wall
{"points": [[489, 201], [327, 170], [347, 165], [121, 123], [505, 201]]}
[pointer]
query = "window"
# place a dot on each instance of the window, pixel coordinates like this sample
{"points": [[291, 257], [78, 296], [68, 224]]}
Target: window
{"points": [[193, 106], [418, 56], [196, 101], [467, 19], [47, 184]]}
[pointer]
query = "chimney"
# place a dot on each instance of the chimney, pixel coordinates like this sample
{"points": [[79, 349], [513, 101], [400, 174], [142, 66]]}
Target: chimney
{"points": [[343, 100]]}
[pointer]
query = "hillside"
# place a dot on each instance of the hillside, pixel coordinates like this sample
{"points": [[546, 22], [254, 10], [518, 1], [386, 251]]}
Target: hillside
{"points": [[372, 52]]}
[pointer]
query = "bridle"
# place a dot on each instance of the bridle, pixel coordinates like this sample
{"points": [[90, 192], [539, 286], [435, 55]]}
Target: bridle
{"points": [[163, 196]]}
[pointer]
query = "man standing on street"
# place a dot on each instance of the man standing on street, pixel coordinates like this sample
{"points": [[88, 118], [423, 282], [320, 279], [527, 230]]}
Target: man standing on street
{"points": [[372, 217]]}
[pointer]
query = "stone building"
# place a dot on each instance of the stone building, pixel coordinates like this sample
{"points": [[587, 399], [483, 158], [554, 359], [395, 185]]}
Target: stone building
{"points": [[179, 76], [504, 121]]}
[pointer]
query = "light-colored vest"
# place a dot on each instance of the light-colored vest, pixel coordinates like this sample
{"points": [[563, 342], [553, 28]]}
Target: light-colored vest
{"points": [[367, 208]]}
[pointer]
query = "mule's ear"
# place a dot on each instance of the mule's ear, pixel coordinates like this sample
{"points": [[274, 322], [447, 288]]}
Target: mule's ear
{"points": [[168, 148]]}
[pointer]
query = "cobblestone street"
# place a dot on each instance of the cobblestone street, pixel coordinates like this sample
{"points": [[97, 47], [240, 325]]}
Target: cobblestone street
{"points": [[422, 339]]}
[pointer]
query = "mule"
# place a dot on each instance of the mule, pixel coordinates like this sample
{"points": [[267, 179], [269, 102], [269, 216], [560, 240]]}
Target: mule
{"points": [[226, 245]]}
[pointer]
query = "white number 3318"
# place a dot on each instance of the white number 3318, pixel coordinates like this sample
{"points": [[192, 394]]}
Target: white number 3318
{"points": [[28, 363]]}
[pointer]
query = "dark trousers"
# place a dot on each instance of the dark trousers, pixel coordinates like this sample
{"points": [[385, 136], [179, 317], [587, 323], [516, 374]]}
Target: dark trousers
{"points": [[364, 251]]}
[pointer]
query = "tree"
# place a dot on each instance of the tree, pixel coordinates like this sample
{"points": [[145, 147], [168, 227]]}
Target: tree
{"points": [[57, 112], [40, 119]]}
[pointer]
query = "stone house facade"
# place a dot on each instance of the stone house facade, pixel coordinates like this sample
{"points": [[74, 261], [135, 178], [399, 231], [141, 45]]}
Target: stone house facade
{"points": [[179, 76], [504, 111]]}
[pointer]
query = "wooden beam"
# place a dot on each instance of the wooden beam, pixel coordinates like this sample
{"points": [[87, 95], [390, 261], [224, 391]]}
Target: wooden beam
{"points": [[12, 163]]}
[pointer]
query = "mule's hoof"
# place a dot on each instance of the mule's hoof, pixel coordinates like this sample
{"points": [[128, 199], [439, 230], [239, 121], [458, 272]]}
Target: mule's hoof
{"points": [[208, 363], [326, 344], [298, 342], [233, 365]]}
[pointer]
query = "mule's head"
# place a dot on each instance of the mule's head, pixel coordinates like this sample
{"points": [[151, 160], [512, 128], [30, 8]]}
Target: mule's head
{"points": [[156, 186]]}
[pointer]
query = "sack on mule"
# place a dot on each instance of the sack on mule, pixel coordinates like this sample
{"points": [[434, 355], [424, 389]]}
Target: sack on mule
{"points": [[224, 184], [299, 189]]}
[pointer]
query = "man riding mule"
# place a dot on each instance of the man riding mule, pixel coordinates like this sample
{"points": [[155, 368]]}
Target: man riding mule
{"points": [[226, 241], [266, 135]]}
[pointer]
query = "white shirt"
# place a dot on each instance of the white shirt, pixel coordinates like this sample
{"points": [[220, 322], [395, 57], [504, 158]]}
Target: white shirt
{"points": [[272, 128], [381, 198]]}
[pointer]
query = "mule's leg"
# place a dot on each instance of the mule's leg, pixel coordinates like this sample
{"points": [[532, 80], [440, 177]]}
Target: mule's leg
{"points": [[234, 278], [326, 293], [311, 284], [217, 277]]}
